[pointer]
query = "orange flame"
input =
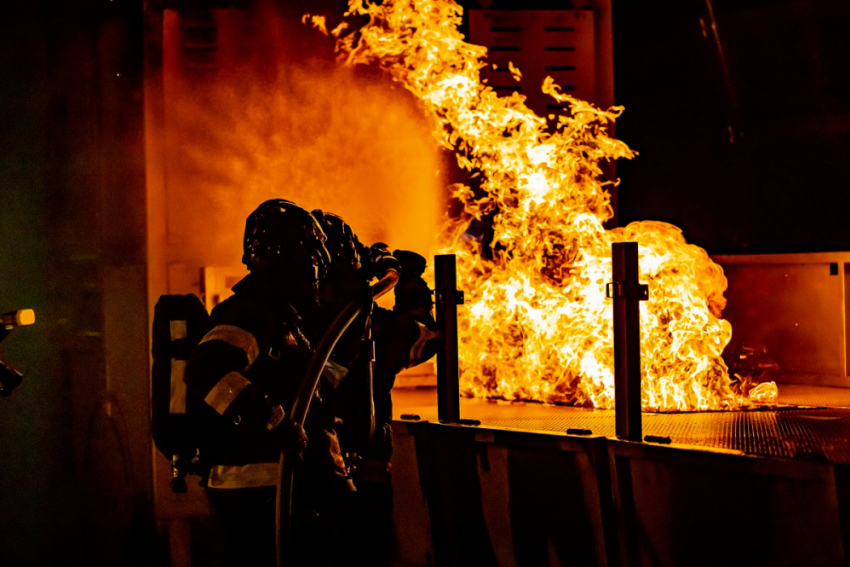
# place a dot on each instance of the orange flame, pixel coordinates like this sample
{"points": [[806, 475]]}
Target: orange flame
{"points": [[537, 324]]}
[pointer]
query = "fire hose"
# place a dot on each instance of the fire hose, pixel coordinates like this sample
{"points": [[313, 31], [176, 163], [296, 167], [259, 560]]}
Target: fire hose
{"points": [[301, 406]]}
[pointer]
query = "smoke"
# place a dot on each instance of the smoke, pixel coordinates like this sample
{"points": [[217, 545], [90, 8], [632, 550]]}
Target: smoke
{"points": [[278, 118]]}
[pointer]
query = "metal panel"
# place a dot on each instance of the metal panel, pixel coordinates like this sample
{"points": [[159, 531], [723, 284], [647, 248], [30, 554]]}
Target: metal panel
{"points": [[507, 498], [807, 433], [678, 507], [523, 498], [794, 306], [410, 511], [541, 43], [126, 348]]}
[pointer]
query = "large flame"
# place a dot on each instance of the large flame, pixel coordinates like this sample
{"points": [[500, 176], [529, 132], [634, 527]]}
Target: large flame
{"points": [[537, 324]]}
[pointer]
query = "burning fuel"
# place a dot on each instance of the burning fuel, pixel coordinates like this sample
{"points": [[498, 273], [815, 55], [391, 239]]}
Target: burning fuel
{"points": [[537, 323]]}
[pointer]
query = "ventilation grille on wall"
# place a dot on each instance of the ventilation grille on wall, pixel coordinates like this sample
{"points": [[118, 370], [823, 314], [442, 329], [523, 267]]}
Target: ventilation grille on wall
{"points": [[556, 43], [199, 39]]}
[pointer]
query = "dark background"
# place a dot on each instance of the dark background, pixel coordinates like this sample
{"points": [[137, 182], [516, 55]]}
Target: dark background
{"points": [[755, 160], [748, 158]]}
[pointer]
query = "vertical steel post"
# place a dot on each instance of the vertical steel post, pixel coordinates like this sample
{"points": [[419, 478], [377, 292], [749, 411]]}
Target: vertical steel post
{"points": [[627, 292], [448, 298]]}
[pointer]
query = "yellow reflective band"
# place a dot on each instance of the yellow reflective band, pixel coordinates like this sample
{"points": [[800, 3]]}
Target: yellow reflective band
{"points": [[425, 335], [238, 337], [245, 476], [177, 403], [278, 413], [223, 393], [334, 372]]}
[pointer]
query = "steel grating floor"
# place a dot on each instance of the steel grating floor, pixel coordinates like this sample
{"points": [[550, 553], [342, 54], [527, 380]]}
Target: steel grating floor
{"points": [[814, 422]]}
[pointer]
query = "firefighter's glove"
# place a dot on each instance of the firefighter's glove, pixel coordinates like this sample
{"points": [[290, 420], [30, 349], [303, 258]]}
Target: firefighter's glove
{"points": [[381, 260], [412, 264], [289, 437], [411, 292]]}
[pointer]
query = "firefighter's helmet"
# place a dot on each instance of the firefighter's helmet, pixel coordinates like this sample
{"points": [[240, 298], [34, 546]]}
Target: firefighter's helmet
{"points": [[342, 243], [280, 235]]}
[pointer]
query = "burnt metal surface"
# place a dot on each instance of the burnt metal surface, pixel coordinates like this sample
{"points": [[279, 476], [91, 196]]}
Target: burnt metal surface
{"points": [[818, 433]]}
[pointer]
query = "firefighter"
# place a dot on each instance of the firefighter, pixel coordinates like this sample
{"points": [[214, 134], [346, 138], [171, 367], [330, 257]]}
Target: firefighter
{"points": [[247, 369], [375, 348], [249, 366], [404, 336]]}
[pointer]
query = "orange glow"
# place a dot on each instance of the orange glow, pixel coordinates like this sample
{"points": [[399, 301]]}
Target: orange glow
{"points": [[275, 117], [536, 323]]}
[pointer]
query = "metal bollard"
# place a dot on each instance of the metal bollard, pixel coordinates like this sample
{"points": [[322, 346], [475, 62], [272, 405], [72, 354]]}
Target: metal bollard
{"points": [[448, 298], [627, 293]]}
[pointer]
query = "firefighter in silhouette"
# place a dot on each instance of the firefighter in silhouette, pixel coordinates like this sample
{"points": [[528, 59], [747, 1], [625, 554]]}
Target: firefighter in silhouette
{"points": [[249, 366], [403, 337], [247, 369], [361, 373]]}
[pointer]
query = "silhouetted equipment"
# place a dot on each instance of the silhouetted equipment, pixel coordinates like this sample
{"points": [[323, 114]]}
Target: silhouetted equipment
{"points": [[10, 378], [179, 323], [18, 318]]}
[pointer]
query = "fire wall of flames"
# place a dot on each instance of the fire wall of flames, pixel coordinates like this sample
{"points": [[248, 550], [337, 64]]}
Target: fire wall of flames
{"points": [[537, 324]]}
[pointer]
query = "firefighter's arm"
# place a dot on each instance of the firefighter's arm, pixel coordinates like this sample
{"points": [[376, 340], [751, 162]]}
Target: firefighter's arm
{"points": [[216, 373], [403, 339], [411, 292], [406, 336]]}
